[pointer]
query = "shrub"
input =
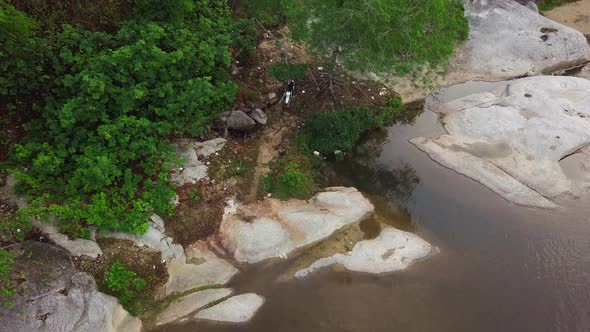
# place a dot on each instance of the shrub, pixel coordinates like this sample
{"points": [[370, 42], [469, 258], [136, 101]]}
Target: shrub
{"points": [[291, 182], [268, 12], [389, 112], [125, 285], [7, 287], [285, 72], [328, 131], [380, 35]]}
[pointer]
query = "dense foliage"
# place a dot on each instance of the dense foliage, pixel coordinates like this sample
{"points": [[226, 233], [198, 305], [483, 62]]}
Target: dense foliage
{"points": [[380, 35], [126, 285], [330, 131], [96, 153]]}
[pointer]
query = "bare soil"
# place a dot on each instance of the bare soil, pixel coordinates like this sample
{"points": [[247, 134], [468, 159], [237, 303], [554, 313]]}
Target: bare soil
{"points": [[574, 14]]}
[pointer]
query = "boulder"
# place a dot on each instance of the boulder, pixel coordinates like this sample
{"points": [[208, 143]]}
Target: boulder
{"points": [[53, 296], [259, 116], [192, 170], [273, 228], [237, 309], [196, 268], [236, 120], [392, 250], [508, 40], [191, 303], [513, 138]]}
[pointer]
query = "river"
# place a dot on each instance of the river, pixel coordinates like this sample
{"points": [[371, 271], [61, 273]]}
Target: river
{"points": [[501, 267]]}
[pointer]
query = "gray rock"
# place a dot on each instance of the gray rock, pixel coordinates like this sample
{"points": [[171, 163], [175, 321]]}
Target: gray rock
{"points": [[210, 147], [237, 309], [392, 250], [234, 70], [54, 296], [272, 96], [513, 138], [274, 229], [192, 170], [191, 303], [236, 120], [259, 116], [532, 6], [508, 40]]}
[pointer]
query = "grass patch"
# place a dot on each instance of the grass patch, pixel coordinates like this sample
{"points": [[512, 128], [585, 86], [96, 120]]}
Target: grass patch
{"points": [[285, 72], [7, 286], [291, 181]]}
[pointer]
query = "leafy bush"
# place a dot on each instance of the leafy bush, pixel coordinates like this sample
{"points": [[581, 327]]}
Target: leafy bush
{"points": [[95, 154], [389, 112], [268, 12], [380, 35], [328, 131], [291, 182], [245, 37], [6, 284], [285, 72], [125, 285]]}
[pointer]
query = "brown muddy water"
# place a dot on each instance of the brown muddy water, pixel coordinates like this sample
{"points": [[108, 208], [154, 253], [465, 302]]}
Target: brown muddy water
{"points": [[501, 267]]}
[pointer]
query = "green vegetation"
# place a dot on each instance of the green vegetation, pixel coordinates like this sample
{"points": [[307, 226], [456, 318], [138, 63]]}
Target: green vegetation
{"points": [[380, 35], [550, 4], [330, 131], [194, 194], [284, 72], [291, 181], [7, 286], [125, 285], [268, 12], [14, 226], [95, 153]]}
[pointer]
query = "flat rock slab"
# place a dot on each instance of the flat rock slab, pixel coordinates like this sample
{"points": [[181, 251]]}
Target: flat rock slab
{"points": [[191, 303], [512, 139], [273, 228], [237, 309], [392, 250]]}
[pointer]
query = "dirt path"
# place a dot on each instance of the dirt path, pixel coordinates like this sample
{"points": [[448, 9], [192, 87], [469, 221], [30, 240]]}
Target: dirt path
{"points": [[575, 15], [270, 142]]}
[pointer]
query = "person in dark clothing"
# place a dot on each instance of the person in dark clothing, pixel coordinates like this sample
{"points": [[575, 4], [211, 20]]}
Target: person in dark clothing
{"points": [[290, 91]]}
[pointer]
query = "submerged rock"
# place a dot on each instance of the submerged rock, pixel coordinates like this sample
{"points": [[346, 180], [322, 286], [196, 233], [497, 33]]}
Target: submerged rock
{"points": [[191, 303], [392, 250], [512, 139], [273, 228], [237, 309], [54, 296]]}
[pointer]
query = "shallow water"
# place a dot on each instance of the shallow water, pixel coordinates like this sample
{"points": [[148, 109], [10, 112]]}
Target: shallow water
{"points": [[501, 267]]}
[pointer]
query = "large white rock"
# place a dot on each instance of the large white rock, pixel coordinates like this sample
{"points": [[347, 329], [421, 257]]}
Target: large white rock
{"points": [[191, 303], [512, 139], [392, 250], [193, 169], [197, 267], [237, 309], [273, 228], [53, 296], [506, 40]]}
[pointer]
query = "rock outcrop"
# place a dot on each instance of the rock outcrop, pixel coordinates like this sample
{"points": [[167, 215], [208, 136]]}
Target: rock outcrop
{"points": [[193, 169], [191, 303], [237, 309], [506, 40], [54, 296], [513, 138], [197, 267], [392, 250], [274, 229]]}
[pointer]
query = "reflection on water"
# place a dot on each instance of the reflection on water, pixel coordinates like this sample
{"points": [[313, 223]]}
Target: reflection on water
{"points": [[501, 267]]}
